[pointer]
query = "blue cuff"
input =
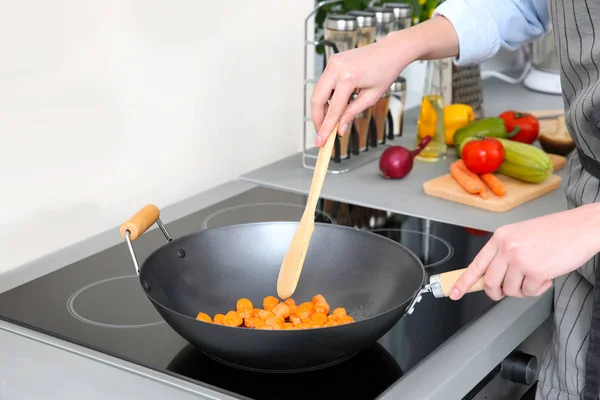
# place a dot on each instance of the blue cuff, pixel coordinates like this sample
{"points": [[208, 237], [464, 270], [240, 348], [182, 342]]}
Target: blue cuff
{"points": [[477, 31]]}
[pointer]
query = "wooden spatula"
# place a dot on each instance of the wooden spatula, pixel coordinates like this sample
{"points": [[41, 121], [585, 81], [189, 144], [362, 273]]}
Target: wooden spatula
{"points": [[292, 264]]}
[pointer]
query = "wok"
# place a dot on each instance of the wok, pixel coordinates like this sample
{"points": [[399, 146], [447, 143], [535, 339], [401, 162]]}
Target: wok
{"points": [[375, 278]]}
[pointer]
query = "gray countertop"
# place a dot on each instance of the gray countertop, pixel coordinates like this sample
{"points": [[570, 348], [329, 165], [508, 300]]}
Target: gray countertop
{"points": [[449, 373], [363, 186]]}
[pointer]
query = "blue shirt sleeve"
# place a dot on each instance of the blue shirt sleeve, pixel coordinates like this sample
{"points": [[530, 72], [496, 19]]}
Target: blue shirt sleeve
{"points": [[485, 26]]}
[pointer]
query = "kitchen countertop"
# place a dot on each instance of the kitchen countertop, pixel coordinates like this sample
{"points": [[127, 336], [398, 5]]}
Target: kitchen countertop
{"points": [[449, 373], [363, 186]]}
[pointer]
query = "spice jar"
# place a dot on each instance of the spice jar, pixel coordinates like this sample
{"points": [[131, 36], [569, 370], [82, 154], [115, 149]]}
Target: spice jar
{"points": [[402, 15], [361, 124], [380, 112], [367, 27], [398, 91], [385, 21], [342, 30]]}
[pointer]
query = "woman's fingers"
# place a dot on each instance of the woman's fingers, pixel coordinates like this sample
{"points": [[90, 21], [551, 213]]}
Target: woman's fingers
{"points": [[365, 99], [337, 107], [494, 278], [476, 270], [533, 287], [513, 283], [320, 96]]}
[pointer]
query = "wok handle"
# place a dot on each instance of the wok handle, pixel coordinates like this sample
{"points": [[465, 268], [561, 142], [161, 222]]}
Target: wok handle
{"points": [[441, 284], [140, 222]]}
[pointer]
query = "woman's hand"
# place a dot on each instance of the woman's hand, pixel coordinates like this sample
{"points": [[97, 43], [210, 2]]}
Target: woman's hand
{"points": [[370, 71], [521, 259]]}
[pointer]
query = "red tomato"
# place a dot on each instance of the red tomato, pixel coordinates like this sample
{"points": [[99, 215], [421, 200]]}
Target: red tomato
{"points": [[529, 126], [483, 156]]}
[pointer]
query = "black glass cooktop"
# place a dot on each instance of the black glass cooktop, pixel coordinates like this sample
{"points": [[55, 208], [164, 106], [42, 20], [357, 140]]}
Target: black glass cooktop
{"points": [[98, 303]]}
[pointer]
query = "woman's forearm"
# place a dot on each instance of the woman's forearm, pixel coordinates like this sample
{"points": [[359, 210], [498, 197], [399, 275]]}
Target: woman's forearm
{"points": [[429, 40]]}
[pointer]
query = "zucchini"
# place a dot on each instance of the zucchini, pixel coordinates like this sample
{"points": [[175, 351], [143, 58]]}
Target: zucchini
{"points": [[525, 162]]}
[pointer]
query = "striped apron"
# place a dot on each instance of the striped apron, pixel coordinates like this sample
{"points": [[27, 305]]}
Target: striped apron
{"points": [[571, 366]]}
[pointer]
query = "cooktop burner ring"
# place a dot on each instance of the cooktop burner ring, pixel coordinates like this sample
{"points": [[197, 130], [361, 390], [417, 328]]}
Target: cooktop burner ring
{"points": [[270, 371], [77, 315], [300, 208]]}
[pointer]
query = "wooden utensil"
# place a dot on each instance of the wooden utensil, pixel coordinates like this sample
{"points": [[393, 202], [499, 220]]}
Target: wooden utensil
{"points": [[292, 264]]}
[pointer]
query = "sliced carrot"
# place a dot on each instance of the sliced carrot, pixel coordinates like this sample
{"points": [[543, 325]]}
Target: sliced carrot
{"points": [[269, 302], [218, 319], [345, 320], [496, 185], [289, 301], [305, 310], [463, 179], [294, 319], [264, 314], [340, 312], [203, 317], [232, 318], [282, 310], [330, 323], [288, 325], [319, 318]]}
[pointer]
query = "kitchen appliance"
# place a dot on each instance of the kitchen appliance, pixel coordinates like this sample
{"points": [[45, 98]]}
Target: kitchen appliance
{"points": [[98, 303], [543, 76], [208, 271], [541, 72]]}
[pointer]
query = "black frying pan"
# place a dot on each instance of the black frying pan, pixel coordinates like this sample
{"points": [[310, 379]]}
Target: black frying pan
{"points": [[375, 278]]}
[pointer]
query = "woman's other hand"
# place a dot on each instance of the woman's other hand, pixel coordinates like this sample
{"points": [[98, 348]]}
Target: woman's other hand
{"points": [[370, 71], [521, 259]]}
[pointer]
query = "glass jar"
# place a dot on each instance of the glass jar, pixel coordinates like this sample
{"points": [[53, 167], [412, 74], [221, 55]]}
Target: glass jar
{"points": [[385, 21], [398, 91], [380, 112], [431, 118], [367, 27], [402, 15], [341, 29]]}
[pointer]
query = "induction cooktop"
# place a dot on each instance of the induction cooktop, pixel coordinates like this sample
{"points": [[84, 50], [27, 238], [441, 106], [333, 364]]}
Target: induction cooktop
{"points": [[98, 303]]}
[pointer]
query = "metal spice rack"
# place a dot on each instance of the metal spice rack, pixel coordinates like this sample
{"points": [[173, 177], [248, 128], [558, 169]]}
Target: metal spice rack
{"points": [[355, 158]]}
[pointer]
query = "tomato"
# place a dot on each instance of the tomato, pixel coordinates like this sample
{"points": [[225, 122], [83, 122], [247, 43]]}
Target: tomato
{"points": [[483, 156], [529, 126]]}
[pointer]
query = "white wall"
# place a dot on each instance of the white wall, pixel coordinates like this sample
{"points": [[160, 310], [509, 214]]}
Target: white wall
{"points": [[108, 105]]}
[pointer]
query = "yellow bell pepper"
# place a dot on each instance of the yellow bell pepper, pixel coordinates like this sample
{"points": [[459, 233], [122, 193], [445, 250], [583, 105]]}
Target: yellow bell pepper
{"points": [[455, 116]]}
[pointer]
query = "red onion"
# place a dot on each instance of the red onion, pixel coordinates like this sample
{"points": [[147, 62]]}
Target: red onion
{"points": [[397, 161]]}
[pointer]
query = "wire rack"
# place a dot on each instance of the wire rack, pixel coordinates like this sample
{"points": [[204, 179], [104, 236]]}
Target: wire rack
{"points": [[355, 158]]}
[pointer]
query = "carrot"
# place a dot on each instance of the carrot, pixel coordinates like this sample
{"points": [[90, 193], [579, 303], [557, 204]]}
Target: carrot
{"points": [[340, 312], [496, 185], [345, 320], [232, 318], [269, 302], [244, 307], [203, 317], [305, 310], [282, 310], [319, 318], [284, 315], [484, 192], [218, 319], [463, 179]]}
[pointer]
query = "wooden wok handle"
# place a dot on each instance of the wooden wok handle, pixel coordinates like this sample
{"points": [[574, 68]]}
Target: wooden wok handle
{"points": [[140, 222], [441, 284]]}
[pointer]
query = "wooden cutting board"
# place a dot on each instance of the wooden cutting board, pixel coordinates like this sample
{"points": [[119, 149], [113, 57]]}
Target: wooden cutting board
{"points": [[517, 192]]}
